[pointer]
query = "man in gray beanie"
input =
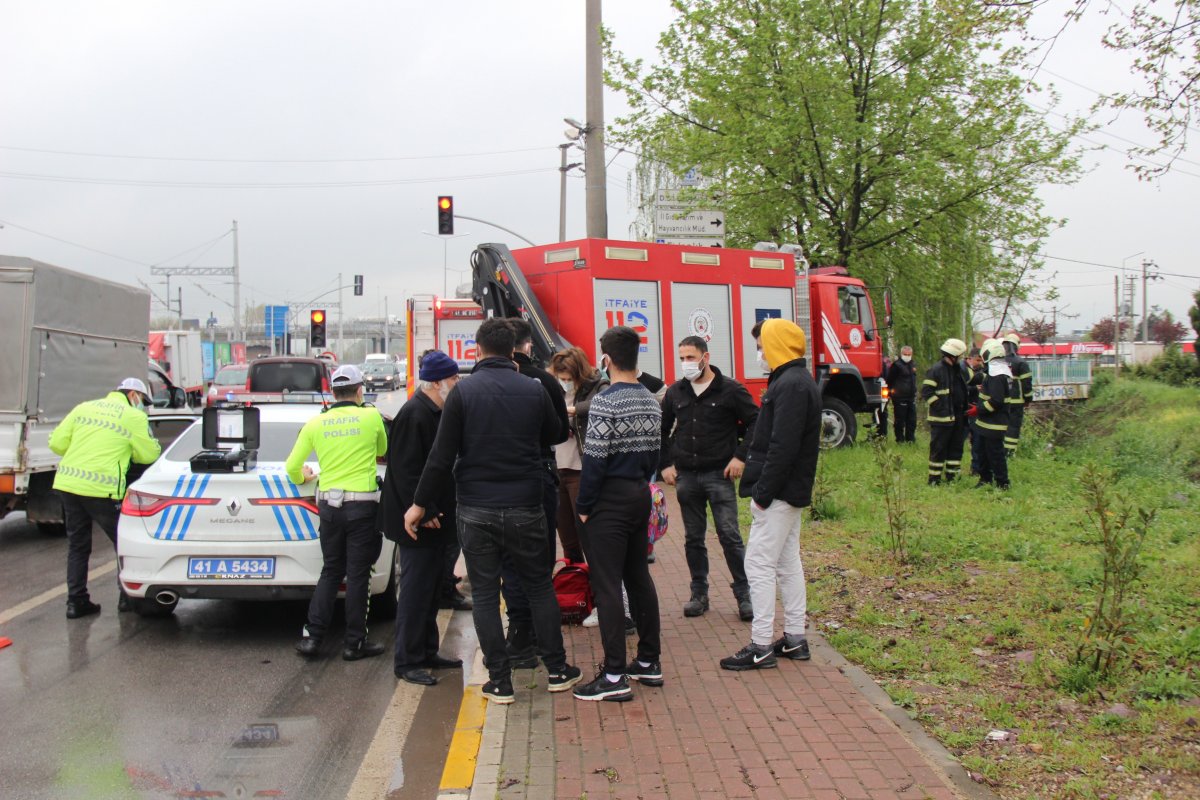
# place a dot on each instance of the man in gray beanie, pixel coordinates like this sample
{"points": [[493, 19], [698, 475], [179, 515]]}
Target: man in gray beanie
{"points": [[421, 555]]}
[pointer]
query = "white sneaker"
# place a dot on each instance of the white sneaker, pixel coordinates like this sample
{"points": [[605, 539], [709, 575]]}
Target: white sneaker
{"points": [[593, 619]]}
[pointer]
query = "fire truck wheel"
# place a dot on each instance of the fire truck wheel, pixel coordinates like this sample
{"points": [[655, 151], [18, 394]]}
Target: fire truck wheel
{"points": [[838, 424]]}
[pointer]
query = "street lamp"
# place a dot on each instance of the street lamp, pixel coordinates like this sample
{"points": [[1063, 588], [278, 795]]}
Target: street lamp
{"points": [[445, 244]]}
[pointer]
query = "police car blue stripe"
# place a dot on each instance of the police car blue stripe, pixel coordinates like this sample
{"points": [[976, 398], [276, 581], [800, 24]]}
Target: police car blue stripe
{"points": [[278, 515], [178, 512], [162, 520], [291, 510], [312, 533], [192, 509]]}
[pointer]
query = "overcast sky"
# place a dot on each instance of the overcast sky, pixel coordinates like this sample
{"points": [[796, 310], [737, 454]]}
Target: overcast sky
{"points": [[328, 130]]}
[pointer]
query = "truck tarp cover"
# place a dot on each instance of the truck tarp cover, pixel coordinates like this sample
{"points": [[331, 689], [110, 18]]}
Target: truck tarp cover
{"points": [[88, 334]]}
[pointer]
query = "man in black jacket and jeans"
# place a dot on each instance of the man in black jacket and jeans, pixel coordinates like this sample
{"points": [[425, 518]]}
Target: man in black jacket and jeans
{"points": [[520, 621], [706, 424], [494, 426], [780, 469], [410, 439]]}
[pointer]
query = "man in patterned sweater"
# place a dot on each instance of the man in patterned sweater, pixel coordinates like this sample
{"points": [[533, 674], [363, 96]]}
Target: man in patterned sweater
{"points": [[620, 453]]}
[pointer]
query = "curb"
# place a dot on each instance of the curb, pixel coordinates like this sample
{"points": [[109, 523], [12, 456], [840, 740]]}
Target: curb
{"points": [[938, 756], [463, 768]]}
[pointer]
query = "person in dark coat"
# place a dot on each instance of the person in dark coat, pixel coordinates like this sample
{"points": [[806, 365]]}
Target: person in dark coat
{"points": [[410, 440], [520, 620], [489, 447], [780, 469], [945, 389], [901, 379], [996, 400]]}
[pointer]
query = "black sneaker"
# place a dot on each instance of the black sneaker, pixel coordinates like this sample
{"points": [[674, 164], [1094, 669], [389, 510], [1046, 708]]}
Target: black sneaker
{"points": [[309, 646], [564, 679], [750, 657], [499, 690], [793, 647], [601, 688], [649, 675]]}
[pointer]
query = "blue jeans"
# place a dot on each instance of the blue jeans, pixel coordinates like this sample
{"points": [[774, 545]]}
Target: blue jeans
{"points": [[694, 490], [488, 536]]}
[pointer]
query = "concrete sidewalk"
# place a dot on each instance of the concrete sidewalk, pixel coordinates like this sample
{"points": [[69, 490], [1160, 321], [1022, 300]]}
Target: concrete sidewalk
{"points": [[804, 730]]}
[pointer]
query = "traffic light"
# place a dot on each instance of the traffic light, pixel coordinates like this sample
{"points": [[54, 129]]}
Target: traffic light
{"points": [[316, 328], [358, 285], [446, 215]]}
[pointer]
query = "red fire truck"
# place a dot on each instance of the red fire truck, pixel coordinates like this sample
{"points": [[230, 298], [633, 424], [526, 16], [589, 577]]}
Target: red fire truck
{"points": [[571, 292], [444, 323]]}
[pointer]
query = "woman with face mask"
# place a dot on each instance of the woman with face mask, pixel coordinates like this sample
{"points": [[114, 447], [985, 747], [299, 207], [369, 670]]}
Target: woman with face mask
{"points": [[581, 382]]}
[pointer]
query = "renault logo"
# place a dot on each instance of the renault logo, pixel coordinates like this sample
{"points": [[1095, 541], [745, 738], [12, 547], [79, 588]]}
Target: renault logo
{"points": [[234, 507]]}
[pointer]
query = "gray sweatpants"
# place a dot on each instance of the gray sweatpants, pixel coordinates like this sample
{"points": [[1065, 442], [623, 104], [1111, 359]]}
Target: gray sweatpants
{"points": [[773, 559]]}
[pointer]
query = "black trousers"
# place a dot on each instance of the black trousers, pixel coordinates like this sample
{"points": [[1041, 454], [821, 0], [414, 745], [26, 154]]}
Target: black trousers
{"points": [[514, 594], [448, 586], [80, 513], [945, 450], [416, 615], [905, 423], [614, 541], [994, 467], [1016, 416], [350, 545], [976, 446]]}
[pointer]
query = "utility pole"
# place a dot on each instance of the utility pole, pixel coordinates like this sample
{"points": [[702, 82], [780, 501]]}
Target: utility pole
{"points": [[341, 316], [1145, 277], [1116, 325], [387, 325], [594, 167], [237, 289]]}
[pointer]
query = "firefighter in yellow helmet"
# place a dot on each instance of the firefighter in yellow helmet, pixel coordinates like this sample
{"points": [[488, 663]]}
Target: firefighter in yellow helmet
{"points": [[97, 441], [945, 390], [1023, 375], [994, 409]]}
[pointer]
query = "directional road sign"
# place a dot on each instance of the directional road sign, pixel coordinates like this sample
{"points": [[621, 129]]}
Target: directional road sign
{"points": [[703, 222], [693, 241]]}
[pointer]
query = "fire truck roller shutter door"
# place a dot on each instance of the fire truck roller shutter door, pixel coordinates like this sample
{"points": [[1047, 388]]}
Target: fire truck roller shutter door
{"points": [[702, 309], [759, 303], [636, 305]]}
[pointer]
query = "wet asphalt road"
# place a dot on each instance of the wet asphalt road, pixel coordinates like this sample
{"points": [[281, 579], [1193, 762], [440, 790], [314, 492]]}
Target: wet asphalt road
{"points": [[211, 702]]}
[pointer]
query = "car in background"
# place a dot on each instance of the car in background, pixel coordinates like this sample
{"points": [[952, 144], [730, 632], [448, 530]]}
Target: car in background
{"points": [[165, 396], [286, 374], [381, 376], [237, 535], [229, 378]]}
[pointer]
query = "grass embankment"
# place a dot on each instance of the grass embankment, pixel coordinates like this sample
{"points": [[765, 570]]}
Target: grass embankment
{"points": [[977, 633]]}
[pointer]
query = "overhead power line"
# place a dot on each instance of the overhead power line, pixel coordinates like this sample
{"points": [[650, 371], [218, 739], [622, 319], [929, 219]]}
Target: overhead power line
{"points": [[168, 184], [194, 159]]}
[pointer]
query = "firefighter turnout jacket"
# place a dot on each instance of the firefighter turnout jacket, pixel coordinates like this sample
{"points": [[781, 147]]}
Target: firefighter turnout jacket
{"points": [[1023, 375], [945, 389], [996, 399], [347, 438], [97, 440]]}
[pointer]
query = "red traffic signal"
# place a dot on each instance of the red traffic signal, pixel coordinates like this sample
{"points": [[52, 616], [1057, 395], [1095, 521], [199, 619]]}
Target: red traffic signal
{"points": [[445, 215]]}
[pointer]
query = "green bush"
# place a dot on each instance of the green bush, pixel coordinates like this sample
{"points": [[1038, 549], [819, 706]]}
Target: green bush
{"points": [[1171, 367], [1167, 684]]}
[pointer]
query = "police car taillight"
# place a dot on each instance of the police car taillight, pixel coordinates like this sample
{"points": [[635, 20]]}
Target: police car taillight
{"points": [[303, 502], [144, 504]]}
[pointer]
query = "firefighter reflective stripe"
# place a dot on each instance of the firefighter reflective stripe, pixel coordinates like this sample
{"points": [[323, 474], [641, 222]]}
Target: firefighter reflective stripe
{"points": [[1020, 401], [991, 426], [953, 468], [941, 419], [936, 468], [1010, 443], [929, 382]]}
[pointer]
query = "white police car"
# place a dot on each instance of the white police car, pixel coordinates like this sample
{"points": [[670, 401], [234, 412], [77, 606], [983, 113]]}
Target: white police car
{"points": [[242, 535]]}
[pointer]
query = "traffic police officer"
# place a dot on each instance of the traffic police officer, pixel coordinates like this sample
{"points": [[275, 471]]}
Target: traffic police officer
{"points": [[1023, 375], [97, 440], [348, 437]]}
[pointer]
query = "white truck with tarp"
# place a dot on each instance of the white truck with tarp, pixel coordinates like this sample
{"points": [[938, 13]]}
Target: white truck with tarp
{"points": [[68, 338]]}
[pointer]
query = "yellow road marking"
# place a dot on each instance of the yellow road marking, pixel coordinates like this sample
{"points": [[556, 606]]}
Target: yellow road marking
{"points": [[459, 772]]}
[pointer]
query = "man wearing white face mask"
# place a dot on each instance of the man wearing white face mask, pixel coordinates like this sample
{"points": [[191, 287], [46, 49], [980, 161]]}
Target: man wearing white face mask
{"points": [[410, 439], [706, 425], [902, 384]]}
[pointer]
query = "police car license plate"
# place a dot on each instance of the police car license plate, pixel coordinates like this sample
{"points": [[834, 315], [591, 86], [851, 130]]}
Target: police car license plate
{"points": [[232, 568]]}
